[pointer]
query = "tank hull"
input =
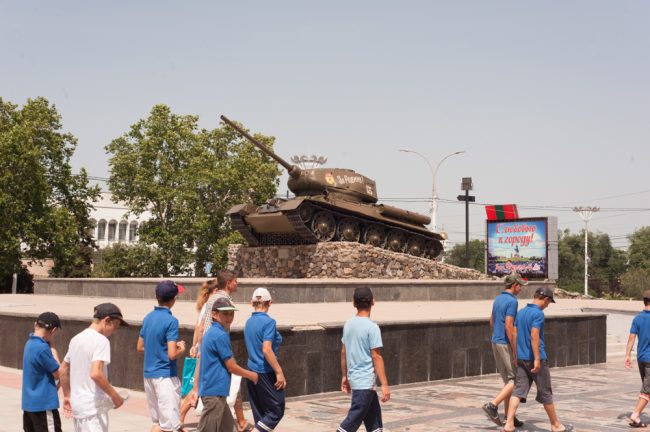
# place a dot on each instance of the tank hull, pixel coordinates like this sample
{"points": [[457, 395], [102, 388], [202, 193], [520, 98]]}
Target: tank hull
{"points": [[318, 218], [331, 204]]}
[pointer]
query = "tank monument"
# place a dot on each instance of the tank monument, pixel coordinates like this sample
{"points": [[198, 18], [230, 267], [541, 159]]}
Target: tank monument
{"points": [[334, 228]]}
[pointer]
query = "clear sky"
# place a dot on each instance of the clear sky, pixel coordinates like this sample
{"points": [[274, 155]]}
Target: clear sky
{"points": [[549, 99]]}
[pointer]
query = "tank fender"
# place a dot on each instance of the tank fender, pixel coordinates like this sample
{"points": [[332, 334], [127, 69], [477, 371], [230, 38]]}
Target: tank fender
{"points": [[291, 204], [242, 209]]}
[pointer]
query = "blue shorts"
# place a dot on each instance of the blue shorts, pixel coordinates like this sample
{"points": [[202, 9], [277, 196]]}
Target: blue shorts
{"points": [[267, 402], [364, 409]]}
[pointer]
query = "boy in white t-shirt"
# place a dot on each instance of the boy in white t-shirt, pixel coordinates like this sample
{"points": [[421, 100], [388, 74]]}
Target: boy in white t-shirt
{"points": [[84, 374]]}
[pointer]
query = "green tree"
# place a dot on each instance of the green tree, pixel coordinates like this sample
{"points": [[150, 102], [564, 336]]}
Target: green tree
{"points": [[187, 178], [44, 207], [606, 266], [456, 256], [635, 281], [639, 250], [120, 260]]}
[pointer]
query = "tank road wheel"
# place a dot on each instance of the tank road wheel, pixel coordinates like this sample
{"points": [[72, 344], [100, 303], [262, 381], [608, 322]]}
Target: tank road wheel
{"points": [[348, 230], [396, 241], [323, 225], [306, 211], [415, 246], [374, 236], [433, 249]]}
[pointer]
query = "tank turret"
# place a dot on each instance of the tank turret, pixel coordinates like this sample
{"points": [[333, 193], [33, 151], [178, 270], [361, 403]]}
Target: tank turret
{"points": [[331, 204]]}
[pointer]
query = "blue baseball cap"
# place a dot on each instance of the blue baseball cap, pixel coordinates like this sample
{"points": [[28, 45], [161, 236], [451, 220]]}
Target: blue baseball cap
{"points": [[168, 289]]}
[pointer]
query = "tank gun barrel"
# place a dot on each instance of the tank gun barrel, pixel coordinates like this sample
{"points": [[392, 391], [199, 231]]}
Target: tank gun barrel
{"points": [[294, 171]]}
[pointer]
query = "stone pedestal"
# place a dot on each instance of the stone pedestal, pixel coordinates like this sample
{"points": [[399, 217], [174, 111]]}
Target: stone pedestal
{"points": [[339, 260]]}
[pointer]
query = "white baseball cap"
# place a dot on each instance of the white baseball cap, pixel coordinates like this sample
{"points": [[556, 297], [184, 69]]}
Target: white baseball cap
{"points": [[261, 294]]}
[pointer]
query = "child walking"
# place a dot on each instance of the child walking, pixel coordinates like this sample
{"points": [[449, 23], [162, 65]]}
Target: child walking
{"points": [[40, 401], [361, 364], [262, 343], [159, 342], [84, 371], [216, 366]]}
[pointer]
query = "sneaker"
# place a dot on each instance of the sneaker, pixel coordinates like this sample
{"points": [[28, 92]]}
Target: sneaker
{"points": [[518, 423], [492, 412]]}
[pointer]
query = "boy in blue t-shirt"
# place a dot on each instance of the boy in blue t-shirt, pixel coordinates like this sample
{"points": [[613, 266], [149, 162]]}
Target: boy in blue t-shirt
{"points": [[361, 364], [532, 361], [262, 342], [504, 344], [641, 328], [40, 400], [216, 365], [159, 342]]}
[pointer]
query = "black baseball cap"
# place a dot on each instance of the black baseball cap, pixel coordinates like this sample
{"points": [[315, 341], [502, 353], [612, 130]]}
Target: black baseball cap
{"points": [[109, 310], [546, 291], [362, 294], [48, 320], [168, 289]]}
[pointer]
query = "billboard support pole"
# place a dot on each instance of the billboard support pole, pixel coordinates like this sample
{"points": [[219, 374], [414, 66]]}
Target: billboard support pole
{"points": [[586, 213], [467, 228], [467, 186]]}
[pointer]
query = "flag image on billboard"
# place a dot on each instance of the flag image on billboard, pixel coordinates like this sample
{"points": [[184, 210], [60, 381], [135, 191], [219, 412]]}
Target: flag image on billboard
{"points": [[519, 245]]}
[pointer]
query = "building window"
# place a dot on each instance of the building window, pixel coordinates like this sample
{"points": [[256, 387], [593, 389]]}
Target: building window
{"points": [[112, 226], [133, 231], [101, 230], [122, 233]]}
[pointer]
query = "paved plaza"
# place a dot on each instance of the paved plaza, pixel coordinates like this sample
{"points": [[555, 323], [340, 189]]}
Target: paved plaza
{"points": [[592, 398]]}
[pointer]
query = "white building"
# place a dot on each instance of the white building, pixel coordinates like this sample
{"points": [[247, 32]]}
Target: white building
{"points": [[111, 223]]}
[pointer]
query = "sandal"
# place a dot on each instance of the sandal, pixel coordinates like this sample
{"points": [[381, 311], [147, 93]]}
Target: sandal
{"points": [[246, 428], [637, 424]]}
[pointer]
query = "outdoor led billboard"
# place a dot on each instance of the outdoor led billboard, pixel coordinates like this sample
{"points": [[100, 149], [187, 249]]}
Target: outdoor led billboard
{"points": [[527, 246]]}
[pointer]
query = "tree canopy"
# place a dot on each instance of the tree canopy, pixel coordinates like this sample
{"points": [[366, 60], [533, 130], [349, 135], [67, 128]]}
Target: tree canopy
{"points": [[639, 250], [456, 256], [606, 265], [44, 207], [187, 178]]}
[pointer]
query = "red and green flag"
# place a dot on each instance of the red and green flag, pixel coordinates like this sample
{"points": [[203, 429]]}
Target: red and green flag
{"points": [[502, 211]]}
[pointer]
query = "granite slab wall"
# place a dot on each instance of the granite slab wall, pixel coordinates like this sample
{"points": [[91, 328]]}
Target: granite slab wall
{"points": [[310, 356], [339, 260], [292, 290]]}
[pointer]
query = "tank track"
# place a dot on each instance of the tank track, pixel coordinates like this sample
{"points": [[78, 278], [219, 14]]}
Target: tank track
{"points": [[366, 222], [303, 235]]}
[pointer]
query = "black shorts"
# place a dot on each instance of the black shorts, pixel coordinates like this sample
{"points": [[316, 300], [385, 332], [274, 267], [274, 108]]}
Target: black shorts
{"points": [[524, 379], [42, 421], [644, 371]]}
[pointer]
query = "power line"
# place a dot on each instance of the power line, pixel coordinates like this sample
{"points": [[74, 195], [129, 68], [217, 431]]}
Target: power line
{"points": [[521, 206]]}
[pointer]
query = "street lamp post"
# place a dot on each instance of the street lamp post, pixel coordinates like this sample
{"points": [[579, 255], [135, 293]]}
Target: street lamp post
{"points": [[586, 213], [433, 205]]}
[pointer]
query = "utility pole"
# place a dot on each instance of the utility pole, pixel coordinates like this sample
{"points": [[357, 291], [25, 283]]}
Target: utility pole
{"points": [[586, 213], [467, 186]]}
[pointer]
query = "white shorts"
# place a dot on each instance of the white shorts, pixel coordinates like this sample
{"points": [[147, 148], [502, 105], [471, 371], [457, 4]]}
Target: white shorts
{"points": [[164, 401], [96, 423]]}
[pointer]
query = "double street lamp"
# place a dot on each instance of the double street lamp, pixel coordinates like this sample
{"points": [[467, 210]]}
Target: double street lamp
{"points": [[433, 206]]}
